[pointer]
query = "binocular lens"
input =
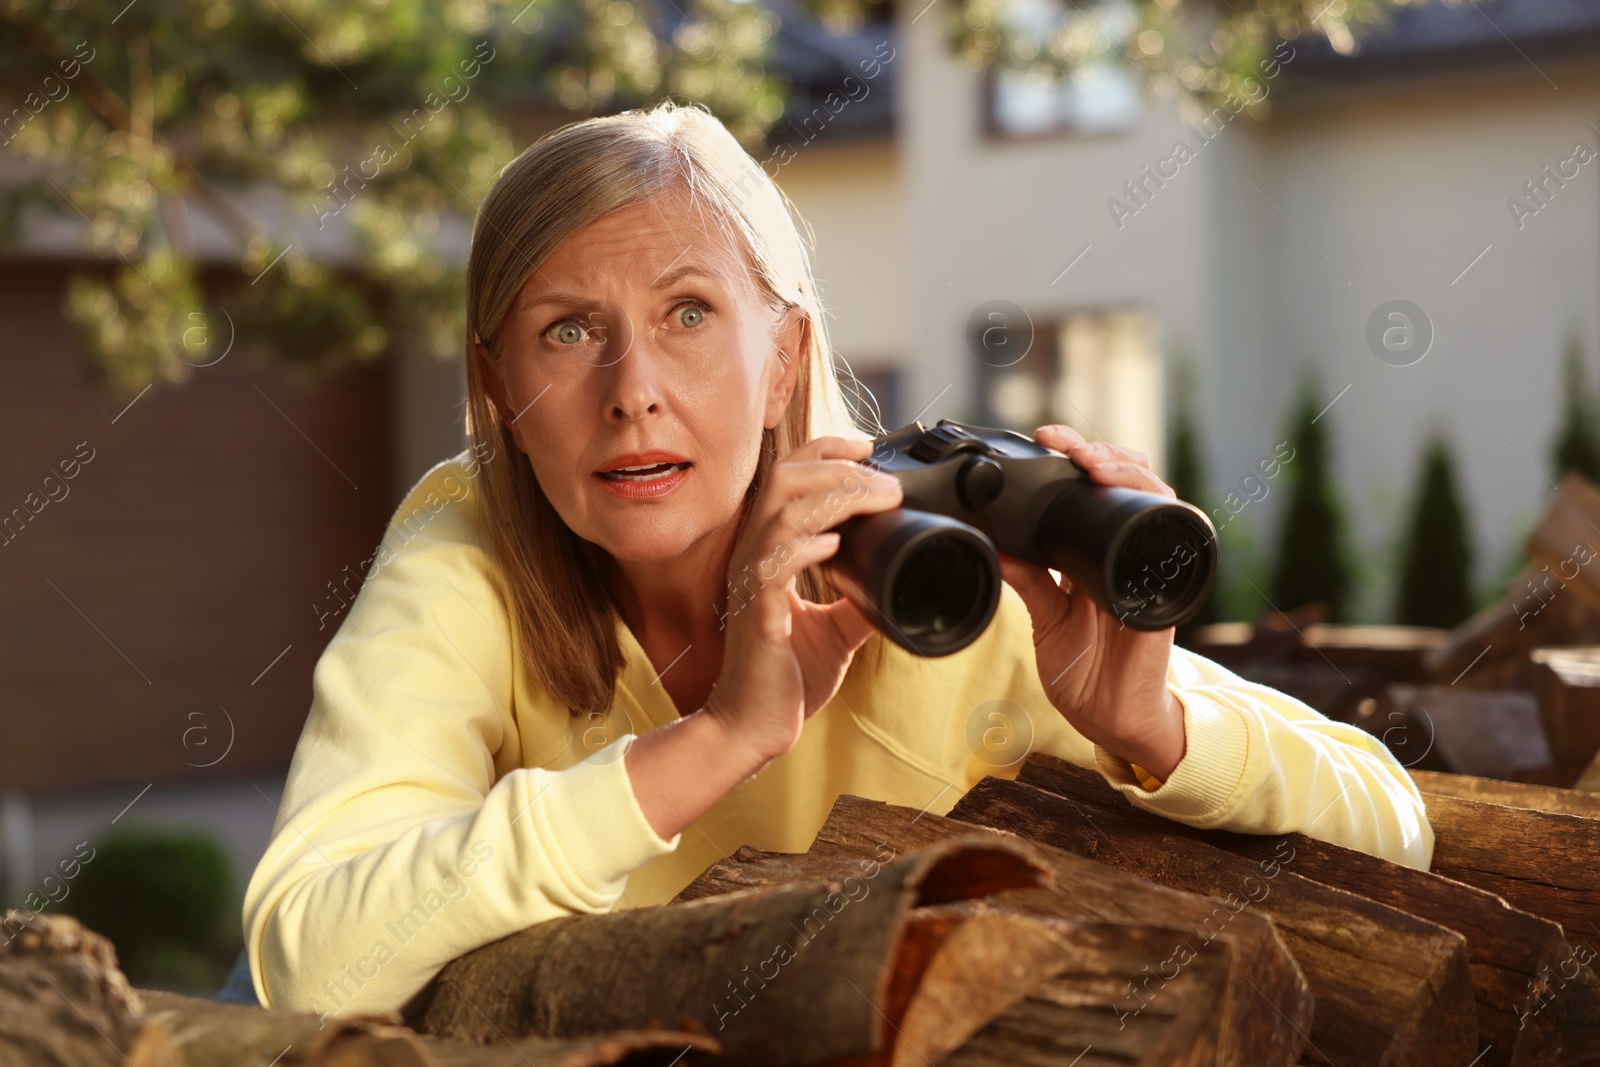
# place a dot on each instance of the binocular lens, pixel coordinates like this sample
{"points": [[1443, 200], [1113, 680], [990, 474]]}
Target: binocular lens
{"points": [[941, 584], [928, 582], [1161, 568]]}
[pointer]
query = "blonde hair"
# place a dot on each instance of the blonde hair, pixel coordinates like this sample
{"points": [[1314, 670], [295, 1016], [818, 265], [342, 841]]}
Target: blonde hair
{"points": [[563, 608]]}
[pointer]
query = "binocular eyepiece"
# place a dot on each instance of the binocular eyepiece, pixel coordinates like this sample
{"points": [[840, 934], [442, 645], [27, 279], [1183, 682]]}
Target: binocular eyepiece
{"points": [[927, 574]]}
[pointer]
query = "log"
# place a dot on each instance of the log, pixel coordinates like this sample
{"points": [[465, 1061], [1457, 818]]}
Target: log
{"points": [[861, 952], [63, 1000], [1565, 545], [1486, 733], [1589, 780], [1390, 988], [1510, 952], [1097, 1002], [1406, 730], [1567, 684], [1396, 653], [1274, 636], [1392, 653], [1509, 794], [1263, 976], [65, 1003], [1335, 692], [209, 1033], [1490, 650], [1335, 669], [958, 968], [201, 1033], [1541, 861], [1101, 1007]]}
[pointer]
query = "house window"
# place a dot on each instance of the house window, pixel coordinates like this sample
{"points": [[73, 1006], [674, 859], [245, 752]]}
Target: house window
{"points": [[1101, 93], [1099, 372]]}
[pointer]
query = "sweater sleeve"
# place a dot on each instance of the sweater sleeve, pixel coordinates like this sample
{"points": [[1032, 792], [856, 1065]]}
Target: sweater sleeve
{"points": [[409, 832], [1259, 761]]}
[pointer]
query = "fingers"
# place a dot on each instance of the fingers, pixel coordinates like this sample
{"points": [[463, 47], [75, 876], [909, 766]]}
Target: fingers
{"points": [[825, 505], [820, 484], [1104, 462], [1061, 438], [1066, 439], [1125, 475], [1030, 579], [814, 488], [798, 535], [1050, 606]]}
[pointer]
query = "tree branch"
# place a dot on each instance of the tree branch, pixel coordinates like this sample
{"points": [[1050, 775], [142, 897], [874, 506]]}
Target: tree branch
{"points": [[116, 114]]}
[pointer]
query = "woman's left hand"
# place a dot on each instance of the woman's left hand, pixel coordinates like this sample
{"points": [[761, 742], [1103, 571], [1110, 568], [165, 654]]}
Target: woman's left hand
{"points": [[1110, 681]]}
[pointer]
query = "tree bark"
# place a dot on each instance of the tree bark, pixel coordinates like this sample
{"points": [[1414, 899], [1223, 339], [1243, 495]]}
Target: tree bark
{"points": [[1114, 1000], [1508, 794], [1510, 952], [1390, 988], [207, 1033], [854, 968], [65, 1003], [1542, 862], [1097, 1001], [1267, 1006], [1567, 682], [1565, 545], [1493, 733]]}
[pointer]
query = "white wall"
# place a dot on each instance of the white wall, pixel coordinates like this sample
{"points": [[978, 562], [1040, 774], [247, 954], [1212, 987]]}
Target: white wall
{"points": [[1002, 220], [851, 196], [1401, 190]]}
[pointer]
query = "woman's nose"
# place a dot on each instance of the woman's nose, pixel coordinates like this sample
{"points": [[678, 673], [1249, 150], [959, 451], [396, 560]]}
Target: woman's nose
{"points": [[634, 386]]}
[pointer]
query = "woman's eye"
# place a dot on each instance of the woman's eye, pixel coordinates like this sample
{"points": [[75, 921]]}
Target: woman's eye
{"points": [[569, 333], [690, 315]]}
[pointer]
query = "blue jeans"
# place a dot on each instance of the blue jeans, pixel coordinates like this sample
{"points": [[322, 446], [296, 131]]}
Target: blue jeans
{"points": [[239, 989]]}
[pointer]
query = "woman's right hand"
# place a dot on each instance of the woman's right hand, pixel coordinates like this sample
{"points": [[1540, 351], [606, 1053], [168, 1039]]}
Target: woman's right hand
{"points": [[783, 656]]}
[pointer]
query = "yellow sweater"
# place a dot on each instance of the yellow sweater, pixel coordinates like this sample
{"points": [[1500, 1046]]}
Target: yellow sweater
{"points": [[437, 801]]}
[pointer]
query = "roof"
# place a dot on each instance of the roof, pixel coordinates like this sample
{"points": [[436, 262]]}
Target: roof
{"points": [[1456, 35], [816, 63]]}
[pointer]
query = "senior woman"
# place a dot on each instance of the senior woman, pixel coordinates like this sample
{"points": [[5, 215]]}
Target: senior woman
{"points": [[543, 700]]}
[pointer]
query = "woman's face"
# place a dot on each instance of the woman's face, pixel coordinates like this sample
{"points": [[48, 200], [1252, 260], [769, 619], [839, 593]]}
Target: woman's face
{"points": [[637, 335]]}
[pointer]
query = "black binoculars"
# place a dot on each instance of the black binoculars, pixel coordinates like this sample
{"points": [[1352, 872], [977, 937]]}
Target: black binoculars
{"points": [[926, 573]]}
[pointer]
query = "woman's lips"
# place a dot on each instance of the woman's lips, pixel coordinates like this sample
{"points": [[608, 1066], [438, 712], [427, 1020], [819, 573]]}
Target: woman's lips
{"points": [[645, 485]]}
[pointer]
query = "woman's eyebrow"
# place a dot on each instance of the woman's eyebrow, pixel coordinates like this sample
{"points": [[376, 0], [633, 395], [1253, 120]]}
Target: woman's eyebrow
{"points": [[530, 302], [670, 278]]}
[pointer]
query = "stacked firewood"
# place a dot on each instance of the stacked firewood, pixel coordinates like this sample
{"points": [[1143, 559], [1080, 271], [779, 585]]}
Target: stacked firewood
{"points": [[1045, 920], [1512, 693]]}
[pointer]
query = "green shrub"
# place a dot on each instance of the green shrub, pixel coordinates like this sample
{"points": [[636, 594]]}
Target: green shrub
{"points": [[1577, 445], [1312, 563], [164, 899], [1436, 564]]}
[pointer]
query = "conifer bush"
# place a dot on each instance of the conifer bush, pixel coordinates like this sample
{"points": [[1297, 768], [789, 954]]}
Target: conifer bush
{"points": [[1435, 586], [1312, 563]]}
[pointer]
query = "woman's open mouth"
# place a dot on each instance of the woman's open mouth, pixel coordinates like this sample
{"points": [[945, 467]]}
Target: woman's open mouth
{"points": [[649, 481]]}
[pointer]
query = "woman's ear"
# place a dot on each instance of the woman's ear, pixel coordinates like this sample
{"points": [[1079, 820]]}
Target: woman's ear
{"points": [[494, 385], [789, 343]]}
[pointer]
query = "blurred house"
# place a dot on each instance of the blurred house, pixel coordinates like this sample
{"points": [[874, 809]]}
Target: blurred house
{"points": [[1448, 162], [988, 247]]}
